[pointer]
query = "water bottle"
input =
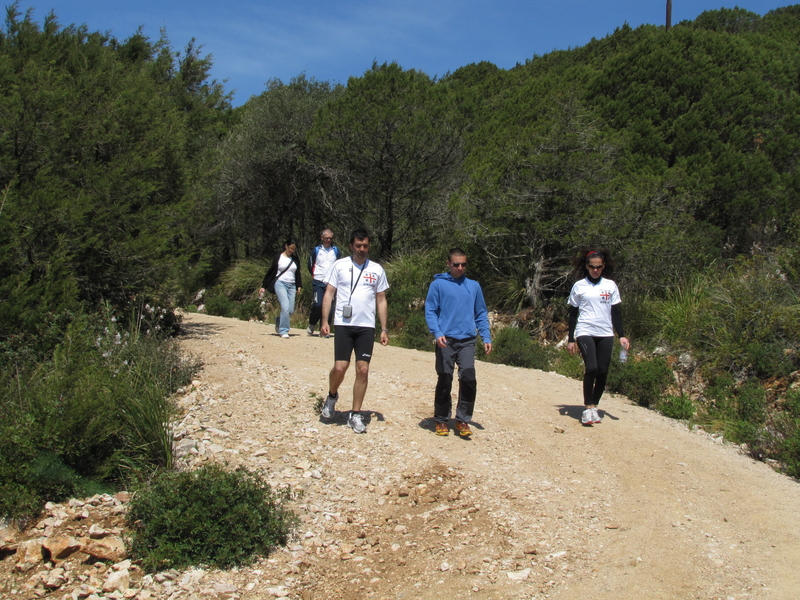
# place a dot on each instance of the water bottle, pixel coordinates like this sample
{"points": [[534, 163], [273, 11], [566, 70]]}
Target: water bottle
{"points": [[623, 355]]}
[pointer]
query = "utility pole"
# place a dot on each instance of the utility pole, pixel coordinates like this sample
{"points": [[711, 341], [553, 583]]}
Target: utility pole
{"points": [[669, 15]]}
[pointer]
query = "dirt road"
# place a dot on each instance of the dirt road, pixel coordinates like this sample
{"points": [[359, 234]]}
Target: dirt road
{"points": [[533, 506]]}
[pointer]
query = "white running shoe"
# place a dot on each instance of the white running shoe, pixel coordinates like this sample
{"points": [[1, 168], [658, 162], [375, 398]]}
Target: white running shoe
{"points": [[356, 422], [285, 336], [329, 408], [310, 330], [587, 418], [596, 416]]}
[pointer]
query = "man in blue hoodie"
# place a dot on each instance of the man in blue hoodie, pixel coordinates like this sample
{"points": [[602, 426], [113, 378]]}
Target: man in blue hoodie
{"points": [[456, 312]]}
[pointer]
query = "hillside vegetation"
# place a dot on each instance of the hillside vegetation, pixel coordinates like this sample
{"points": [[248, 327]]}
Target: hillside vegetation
{"points": [[128, 183]]}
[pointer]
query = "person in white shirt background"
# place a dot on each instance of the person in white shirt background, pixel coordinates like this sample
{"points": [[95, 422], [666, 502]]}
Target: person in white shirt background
{"points": [[285, 271], [320, 262], [594, 314]]}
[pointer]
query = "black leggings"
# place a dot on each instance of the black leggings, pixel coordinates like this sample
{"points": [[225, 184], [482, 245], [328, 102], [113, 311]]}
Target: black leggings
{"points": [[596, 353]]}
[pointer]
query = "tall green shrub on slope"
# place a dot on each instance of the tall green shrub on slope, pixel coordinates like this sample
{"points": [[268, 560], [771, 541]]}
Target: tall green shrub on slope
{"points": [[93, 166]]}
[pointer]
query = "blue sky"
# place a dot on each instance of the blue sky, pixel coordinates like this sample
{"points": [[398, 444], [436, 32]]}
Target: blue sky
{"points": [[252, 42]]}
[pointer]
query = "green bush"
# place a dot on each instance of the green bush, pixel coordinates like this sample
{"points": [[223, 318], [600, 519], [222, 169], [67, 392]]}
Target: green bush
{"points": [[568, 365], [209, 517], [243, 277], [93, 415], [751, 403], [786, 424], [249, 310], [739, 318], [739, 431], [644, 381], [769, 359], [220, 305], [513, 346], [410, 275], [414, 333], [676, 407], [719, 402]]}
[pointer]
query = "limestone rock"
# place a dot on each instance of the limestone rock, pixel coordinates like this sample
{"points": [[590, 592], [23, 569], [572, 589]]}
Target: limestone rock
{"points": [[61, 547], [117, 581], [110, 548], [29, 554]]}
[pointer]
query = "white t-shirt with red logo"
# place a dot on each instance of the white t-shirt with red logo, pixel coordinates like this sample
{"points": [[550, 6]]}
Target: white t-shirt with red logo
{"points": [[357, 286], [594, 302]]}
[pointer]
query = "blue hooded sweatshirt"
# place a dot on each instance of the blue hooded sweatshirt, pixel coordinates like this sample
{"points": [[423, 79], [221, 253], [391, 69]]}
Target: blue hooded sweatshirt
{"points": [[455, 308]]}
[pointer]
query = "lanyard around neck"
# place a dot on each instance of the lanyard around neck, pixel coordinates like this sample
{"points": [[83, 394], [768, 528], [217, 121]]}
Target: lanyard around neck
{"points": [[352, 286]]}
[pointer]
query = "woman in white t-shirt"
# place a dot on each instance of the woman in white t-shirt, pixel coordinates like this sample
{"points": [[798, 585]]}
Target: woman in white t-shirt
{"points": [[594, 314], [285, 271]]}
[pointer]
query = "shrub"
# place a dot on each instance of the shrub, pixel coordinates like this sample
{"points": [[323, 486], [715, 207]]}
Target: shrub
{"points": [[93, 414], [720, 393], [414, 333], [676, 407], [568, 365], [751, 403], [769, 359], [207, 517], [244, 277], [787, 432], [742, 318], [249, 310], [645, 381], [219, 305], [410, 275], [513, 346]]}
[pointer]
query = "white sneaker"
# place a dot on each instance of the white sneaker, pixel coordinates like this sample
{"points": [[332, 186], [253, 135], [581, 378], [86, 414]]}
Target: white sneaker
{"points": [[596, 416], [329, 408], [310, 330], [587, 418], [285, 336], [356, 422]]}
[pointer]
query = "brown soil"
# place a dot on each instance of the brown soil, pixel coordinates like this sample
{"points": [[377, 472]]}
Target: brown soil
{"points": [[636, 507], [532, 506]]}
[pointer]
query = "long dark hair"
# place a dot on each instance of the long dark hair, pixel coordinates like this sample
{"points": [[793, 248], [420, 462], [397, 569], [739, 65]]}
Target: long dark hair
{"points": [[584, 254]]}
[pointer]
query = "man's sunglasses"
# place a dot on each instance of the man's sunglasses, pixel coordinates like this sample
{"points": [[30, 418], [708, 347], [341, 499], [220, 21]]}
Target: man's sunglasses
{"points": [[459, 264], [595, 266]]}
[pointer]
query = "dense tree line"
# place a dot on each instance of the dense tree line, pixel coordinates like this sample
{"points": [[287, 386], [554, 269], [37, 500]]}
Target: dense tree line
{"points": [[99, 140], [125, 173], [674, 149]]}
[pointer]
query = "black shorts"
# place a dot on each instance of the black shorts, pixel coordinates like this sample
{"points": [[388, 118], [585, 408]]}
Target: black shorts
{"points": [[348, 339]]}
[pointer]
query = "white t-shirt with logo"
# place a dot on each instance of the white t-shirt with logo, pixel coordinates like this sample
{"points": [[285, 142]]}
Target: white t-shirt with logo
{"points": [[356, 286], [594, 302]]}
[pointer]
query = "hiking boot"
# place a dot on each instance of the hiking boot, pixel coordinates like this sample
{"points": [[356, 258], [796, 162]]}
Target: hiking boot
{"points": [[587, 418], [596, 416], [356, 422], [442, 429], [463, 429], [329, 407], [310, 330]]}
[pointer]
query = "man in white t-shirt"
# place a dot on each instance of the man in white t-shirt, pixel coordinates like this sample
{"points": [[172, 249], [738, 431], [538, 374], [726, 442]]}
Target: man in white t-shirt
{"points": [[359, 286], [320, 262]]}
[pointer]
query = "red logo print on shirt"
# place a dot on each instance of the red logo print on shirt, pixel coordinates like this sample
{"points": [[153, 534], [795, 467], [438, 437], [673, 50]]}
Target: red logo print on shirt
{"points": [[605, 296], [370, 278]]}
